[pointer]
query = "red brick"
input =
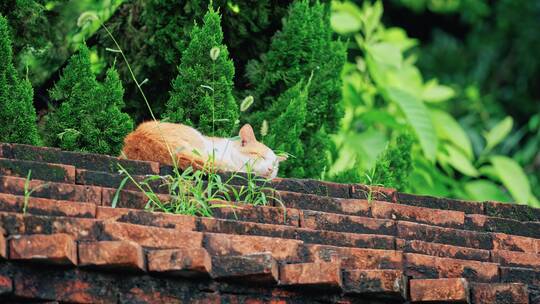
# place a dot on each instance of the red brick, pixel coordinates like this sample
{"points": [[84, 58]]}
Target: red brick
{"points": [[441, 250], [449, 236], [180, 262], [514, 258], [226, 244], [483, 293], [252, 268], [356, 258], [111, 254], [50, 190], [503, 241], [310, 186], [258, 214], [128, 198], [503, 225], [246, 228], [153, 237], [43, 171], [440, 203], [421, 266], [319, 274], [6, 285], [343, 239], [375, 192], [324, 203], [429, 216], [147, 218], [55, 248], [42, 206], [78, 228], [443, 290], [346, 223], [375, 282]]}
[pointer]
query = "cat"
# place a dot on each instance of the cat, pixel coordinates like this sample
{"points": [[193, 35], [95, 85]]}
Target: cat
{"points": [[191, 148]]}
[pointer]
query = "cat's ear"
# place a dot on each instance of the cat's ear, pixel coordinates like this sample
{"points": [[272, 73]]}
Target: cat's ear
{"points": [[246, 134]]}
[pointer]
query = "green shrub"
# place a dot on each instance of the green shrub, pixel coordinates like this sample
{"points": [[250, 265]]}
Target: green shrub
{"points": [[89, 117], [285, 120], [202, 93], [17, 112], [304, 47]]}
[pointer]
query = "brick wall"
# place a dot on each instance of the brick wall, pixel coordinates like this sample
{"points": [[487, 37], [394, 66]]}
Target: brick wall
{"points": [[328, 244]]}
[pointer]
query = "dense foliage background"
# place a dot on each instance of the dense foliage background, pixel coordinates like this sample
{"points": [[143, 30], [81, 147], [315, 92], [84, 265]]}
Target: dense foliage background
{"points": [[427, 96]]}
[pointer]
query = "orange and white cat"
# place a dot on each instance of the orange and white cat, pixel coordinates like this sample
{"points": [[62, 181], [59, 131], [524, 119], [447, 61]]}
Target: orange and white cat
{"points": [[191, 148]]}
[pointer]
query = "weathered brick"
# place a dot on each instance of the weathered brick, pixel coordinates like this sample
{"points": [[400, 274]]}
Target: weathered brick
{"points": [[436, 217], [388, 283], [356, 258], [450, 236], [527, 276], [439, 290], [440, 203], [104, 179], [111, 254], [252, 268], [512, 211], [90, 161], [42, 171], [6, 285], [421, 266], [502, 241], [503, 225], [441, 250], [42, 206], [343, 239], [318, 274], [346, 223], [180, 262], [146, 218], [65, 286], [152, 237], [483, 293], [261, 214], [50, 190], [245, 228], [128, 198], [517, 259], [310, 186], [323, 203], [3, 244], [373, 193], [55, 248], [226, 244]]}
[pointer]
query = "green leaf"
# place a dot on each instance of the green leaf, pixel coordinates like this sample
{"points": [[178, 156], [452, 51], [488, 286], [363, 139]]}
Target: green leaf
{"points": [[447, 128], [458, 160], [386, 53], [485, 190], [512, 177], [434, 92], [498, 133], [344, 23], [418, 117]]}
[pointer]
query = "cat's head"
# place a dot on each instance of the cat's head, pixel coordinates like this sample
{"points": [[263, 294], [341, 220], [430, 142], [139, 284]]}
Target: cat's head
{"points": [[263, 160]]}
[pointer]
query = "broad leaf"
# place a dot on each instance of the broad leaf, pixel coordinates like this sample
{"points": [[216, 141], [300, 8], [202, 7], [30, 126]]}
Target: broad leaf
{"points": [[498, 133], [512, 177], [460, 162], [386, 53], [344, 23], [485, 190], [448, 128], [434, 92], [418, 117]]}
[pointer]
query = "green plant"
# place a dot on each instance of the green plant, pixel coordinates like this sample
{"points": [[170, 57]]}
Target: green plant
{"points": [[28, 190], [89, 117], [17, 112], [192, 98], [305, 46]]}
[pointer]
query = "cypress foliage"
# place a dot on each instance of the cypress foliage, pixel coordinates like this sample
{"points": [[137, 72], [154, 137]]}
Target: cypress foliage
{"points": [[89, 117], [17, 112], [285, 129], [202, 95], [304, 47]]}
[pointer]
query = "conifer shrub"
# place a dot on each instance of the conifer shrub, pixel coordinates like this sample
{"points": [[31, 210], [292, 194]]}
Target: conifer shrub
{"points": [[89, 117], [17, 113], [202, 93], [305, 46], [286, 120]]}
